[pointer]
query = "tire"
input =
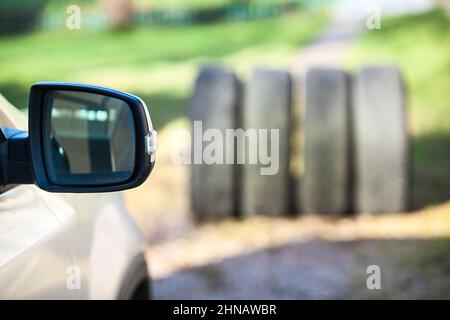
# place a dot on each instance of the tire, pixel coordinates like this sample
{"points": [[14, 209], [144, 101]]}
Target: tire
{"points": [[143, 291], [325, 184], [381, 141], [267, 105], [214, 102], [136, 282]]}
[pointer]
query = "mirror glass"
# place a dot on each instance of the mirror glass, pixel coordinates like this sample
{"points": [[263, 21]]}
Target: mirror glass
{"points": [[88, 138]]}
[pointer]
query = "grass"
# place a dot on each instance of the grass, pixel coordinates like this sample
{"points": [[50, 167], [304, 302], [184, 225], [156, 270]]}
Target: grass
{"points": [[420, 46], [158, 63]]}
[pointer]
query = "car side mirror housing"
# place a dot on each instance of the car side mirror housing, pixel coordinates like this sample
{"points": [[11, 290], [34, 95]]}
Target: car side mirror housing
{"points": [[81, 138]]}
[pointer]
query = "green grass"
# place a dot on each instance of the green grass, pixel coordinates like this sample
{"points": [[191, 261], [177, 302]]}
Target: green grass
{"points": [[158, 63], [420, 46]]}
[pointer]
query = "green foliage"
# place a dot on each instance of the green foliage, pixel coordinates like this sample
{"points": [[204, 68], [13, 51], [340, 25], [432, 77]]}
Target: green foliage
{"points": [[198, 3], [11, 5]]}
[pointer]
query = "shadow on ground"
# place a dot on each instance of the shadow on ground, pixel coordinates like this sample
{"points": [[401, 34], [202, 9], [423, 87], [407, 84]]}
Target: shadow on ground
{"points": [[318, 269], [430, 169]]}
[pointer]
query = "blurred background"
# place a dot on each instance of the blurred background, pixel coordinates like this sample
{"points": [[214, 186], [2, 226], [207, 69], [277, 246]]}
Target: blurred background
{"points": [[154, 49]]}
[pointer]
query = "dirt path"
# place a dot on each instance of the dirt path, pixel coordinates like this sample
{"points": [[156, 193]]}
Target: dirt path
{"points": [[330, 48], [308, 257], [348, 20], [315, 270]]}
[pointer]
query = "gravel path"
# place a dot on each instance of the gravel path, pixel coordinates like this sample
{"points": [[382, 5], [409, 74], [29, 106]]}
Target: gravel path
{"points": [[318, 270], [308, 257]]}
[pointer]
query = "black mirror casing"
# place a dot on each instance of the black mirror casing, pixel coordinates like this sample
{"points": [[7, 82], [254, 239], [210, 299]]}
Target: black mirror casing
{"points": [[145, 138]]}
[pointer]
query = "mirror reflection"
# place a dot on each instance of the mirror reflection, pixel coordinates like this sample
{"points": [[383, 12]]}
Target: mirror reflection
{"points": [[92, 138]]}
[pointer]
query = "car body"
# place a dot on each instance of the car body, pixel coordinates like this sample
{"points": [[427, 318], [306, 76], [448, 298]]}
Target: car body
{"points": [[67, 245]]}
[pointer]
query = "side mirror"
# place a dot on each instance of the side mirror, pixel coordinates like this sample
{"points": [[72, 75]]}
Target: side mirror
{"points": [[84, 138]]}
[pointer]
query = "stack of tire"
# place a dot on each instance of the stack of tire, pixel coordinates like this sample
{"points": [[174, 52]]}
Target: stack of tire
{"points": [[351, 134]]}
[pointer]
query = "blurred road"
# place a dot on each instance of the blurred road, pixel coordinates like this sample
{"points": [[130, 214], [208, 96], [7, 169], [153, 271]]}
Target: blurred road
{"points": [[348, 19]]}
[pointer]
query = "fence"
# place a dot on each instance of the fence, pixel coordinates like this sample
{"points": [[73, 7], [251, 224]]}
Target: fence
{"points": [[229, 12], [24, 17]]}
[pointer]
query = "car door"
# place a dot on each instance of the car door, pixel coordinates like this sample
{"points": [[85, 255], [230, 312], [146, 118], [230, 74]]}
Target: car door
{"points": [[35, 257]]}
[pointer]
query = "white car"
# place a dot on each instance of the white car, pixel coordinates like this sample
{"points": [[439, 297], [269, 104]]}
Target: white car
{"points": [[63, 233]]}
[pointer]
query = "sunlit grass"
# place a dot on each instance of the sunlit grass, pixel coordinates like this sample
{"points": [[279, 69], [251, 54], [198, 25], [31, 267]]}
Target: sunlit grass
{"points": [[151, 60]]}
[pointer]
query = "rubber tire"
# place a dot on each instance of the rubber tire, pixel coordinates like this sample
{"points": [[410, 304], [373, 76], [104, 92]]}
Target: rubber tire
{"points": [[381, 141], [267, 105], [325, 185], [214, 102], [143, 291]]}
